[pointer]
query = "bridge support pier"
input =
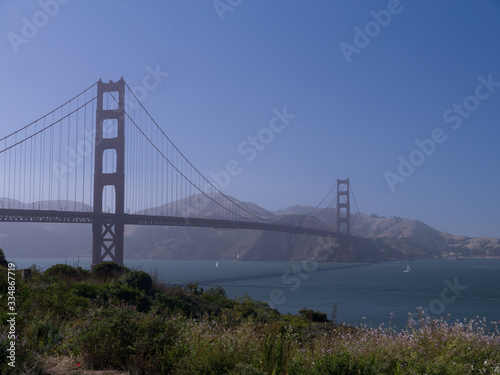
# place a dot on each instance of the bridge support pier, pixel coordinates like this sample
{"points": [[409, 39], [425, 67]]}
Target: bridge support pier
{"points": [[108, 237], [108, 227]]}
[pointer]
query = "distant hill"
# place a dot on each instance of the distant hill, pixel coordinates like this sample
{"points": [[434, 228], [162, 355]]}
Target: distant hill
{"points": [[392, 238], [194, 204], [411, 238]]}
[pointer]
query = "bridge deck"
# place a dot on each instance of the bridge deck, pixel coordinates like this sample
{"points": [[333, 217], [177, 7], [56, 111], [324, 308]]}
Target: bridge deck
{"points": [[53, 216]]}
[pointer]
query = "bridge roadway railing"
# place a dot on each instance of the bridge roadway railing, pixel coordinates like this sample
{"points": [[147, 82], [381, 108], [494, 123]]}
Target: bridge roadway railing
{"points": [[54, 216]]}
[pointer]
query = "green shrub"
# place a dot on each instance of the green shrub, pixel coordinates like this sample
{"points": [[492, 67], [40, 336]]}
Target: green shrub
{"points": [[157, 347], [85, 290], [137, 280], [56, 300], [108, 270], [166, 303], [4, 285], [105, 338], [124, 294], [44, 334], [194, 288], [109, 324], [313, 316], [122, 338], [3, 261], [62, 272]]}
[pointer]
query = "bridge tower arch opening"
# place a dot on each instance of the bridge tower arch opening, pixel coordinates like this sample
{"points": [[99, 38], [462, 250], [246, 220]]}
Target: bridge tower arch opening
{"points": [[108, 228]]}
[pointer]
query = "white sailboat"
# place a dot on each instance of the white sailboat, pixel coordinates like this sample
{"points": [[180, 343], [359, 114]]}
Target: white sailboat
{"points": [[407, 268], [216, 264]]}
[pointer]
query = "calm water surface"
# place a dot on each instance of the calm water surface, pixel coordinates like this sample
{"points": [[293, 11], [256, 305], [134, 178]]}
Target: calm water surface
{"points": [[364, 293]]}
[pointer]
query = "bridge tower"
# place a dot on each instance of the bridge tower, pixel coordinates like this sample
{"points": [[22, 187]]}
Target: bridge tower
{"points": [[108, 228], [343, 207], [343, 216]]}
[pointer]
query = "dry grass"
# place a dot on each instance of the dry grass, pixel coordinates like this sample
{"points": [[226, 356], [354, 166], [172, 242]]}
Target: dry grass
{"points": [[66, 366]]}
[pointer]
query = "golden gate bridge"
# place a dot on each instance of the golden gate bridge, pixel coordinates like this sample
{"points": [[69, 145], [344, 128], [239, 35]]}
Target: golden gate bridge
{"points": [[100, 158]]}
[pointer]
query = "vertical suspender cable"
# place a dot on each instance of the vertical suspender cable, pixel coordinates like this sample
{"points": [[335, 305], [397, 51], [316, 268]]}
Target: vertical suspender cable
{"points": [[359, 212], [77, 114], [32, 160], [51, 140], [4, 171], [67, 158], [84, 142], [92, 170], [42, 162], [59, 161], [15, 171], [24, 170], [41, 169]]}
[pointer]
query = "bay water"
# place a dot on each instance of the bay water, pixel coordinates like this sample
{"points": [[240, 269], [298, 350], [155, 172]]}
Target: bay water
{"points": [[371, 293]]}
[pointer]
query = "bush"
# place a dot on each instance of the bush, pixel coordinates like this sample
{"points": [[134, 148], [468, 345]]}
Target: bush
{"points": [[62, 272], [85, 290], [122, 338], [218, 299], [166, 303], [137, 280], [313, 316], [105, 338], [27, 361], [44, 334], [3, 261], [190, 331], [108, 270], [126, 294]]}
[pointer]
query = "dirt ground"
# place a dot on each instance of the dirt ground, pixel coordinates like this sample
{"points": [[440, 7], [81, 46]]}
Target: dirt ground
{"points": [[56, 366]]}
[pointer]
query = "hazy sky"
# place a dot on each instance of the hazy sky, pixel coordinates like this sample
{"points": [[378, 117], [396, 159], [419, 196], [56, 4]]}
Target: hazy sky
{"points": [[401, 97]]}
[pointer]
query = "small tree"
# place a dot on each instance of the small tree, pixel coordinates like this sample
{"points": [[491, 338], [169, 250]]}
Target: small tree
{"points": [[3, 261], [313, 316]]}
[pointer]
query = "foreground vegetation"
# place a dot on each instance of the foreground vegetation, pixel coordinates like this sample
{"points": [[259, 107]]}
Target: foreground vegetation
{"points": [[116, 318]]}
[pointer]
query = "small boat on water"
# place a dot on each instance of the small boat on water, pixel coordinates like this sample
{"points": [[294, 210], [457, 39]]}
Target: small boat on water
{"points": [[407, 268], [216, 264]]}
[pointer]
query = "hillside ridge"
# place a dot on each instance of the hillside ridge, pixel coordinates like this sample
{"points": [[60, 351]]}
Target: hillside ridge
{"points": [[392, 238]]}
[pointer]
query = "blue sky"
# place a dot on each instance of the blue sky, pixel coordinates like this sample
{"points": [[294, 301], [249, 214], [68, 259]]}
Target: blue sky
{"points": [[231, 63]]}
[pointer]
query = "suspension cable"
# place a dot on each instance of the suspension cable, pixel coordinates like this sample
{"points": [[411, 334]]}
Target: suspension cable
{"points": [[51, 112], [187, 160], [327, 194], [46, 127], [183, 175], [359, 213], [324, 209]]}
